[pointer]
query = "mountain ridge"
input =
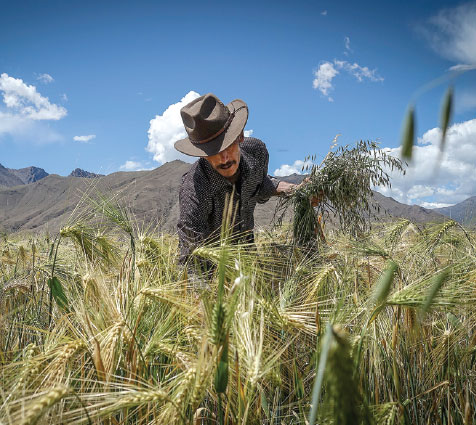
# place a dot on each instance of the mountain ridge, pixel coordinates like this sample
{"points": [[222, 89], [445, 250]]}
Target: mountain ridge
{"points": [[78, 172], [463, 212], [29, 174], [7, 178], [151, 196], [11, 177]]}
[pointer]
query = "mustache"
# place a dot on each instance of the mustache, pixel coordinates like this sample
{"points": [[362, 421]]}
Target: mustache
{"points": [[226, 165]]}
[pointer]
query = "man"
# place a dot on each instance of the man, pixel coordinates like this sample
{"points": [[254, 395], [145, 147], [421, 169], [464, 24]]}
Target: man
{"points": [[228, 162]]}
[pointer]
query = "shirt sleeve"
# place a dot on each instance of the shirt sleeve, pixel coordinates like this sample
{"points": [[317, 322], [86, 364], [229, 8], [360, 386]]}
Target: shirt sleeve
{"points": [[193, 225], [269, 184]]}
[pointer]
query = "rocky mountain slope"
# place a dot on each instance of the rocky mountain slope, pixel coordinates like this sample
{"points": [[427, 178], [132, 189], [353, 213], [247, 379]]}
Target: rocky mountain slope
{"points": [[29, 174], [7, 178], [151, 196], [49, 202], [78, 172], [10, 177], [463, 212]]}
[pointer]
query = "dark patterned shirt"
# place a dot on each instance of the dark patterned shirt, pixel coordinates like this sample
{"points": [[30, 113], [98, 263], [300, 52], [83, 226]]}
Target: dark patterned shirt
{"points": [[203, 191]]}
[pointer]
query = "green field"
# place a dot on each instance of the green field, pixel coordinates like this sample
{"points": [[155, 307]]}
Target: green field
{"points": [[99, 324]]}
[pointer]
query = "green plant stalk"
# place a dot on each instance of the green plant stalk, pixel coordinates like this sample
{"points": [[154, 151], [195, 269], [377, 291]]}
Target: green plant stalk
{"points": [[50, 308], [408, 134], [316, 390]]}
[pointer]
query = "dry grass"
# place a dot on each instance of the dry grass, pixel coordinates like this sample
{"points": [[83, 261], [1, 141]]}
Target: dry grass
{"points": [[138, 342]]}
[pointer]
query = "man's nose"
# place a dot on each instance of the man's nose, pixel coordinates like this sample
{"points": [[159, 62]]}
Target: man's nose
{"points": [[224, 156]]}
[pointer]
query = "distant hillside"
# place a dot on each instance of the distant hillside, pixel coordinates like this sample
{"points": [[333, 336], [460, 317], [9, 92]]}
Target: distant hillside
{"points": [[82, 173], [293, 178], [151, 196], [10, 177], [463, 212], [7, 178], [413, 213], [29, 174]]}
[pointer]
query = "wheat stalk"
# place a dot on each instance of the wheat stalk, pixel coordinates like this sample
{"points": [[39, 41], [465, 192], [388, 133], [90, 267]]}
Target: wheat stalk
{"points": [[38, 407]]}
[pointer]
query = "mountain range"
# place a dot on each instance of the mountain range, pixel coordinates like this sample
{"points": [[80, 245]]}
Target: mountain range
{"points": [[464, 212], [32, 199], [10, 177]]}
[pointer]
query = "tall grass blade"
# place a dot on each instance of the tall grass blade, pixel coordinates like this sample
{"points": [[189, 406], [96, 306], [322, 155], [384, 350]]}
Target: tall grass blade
{"points": [[384, 283], [58, 293], [316, 390], [446, 112], [408, 135], [343, 392]]}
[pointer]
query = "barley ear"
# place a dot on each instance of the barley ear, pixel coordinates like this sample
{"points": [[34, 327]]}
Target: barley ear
{"points": [[39, 406]]}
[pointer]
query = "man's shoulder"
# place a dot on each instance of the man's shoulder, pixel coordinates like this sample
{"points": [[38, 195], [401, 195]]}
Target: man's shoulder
{"points": [[190, 173], [255, 147], [194, 180], [252, 144]]}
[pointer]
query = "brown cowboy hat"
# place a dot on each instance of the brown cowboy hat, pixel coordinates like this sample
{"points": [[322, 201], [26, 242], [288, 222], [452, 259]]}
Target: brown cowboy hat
{"points": [[211, 126]]}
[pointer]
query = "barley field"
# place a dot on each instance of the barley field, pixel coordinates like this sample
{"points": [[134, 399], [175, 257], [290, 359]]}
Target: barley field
{"points": [[100, 325]]}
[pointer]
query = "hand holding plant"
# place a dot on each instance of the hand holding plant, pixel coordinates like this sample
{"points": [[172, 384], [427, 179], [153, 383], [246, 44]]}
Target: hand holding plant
{"points": [[342, 185]]}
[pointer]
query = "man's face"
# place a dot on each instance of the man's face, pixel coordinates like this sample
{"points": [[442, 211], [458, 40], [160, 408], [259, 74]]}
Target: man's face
{"points": [[226, 162]]}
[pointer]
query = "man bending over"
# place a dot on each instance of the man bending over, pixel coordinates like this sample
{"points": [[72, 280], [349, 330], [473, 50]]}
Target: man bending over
{"points": [[227, 161]]}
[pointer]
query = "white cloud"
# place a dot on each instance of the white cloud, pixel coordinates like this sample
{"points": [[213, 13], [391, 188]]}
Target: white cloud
{"points": [[420, 191], [64, 98], [248, 133], [25, 109], [328, 70], [25, 101], [434, 205], [45, 78], [324, 76], [429, 182], [133, 166], [11, 123], [452, 33], [465, 101], [27, 131], [84, 139], [359, 72], [347, 44], [324, 13], [166, 129], [295, 168], [462, 67]]}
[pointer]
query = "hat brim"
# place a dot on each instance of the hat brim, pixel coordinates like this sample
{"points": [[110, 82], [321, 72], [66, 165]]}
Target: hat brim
{"points": [[222, 141]]}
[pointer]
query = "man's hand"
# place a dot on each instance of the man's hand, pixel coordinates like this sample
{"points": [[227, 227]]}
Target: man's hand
{"points": [[316, 199], [287, 189]]}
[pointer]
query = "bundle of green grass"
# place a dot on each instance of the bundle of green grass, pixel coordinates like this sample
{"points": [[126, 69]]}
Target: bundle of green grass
{"points": [[342, 183]]}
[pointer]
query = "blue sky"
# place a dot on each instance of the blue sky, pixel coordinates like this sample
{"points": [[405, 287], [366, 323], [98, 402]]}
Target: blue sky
{"points": [[98, 85]]}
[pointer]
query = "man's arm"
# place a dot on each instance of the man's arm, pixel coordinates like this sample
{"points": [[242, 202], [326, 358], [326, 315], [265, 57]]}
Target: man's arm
{"points": [[269, 185], [272, 186], [192, 226]]}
